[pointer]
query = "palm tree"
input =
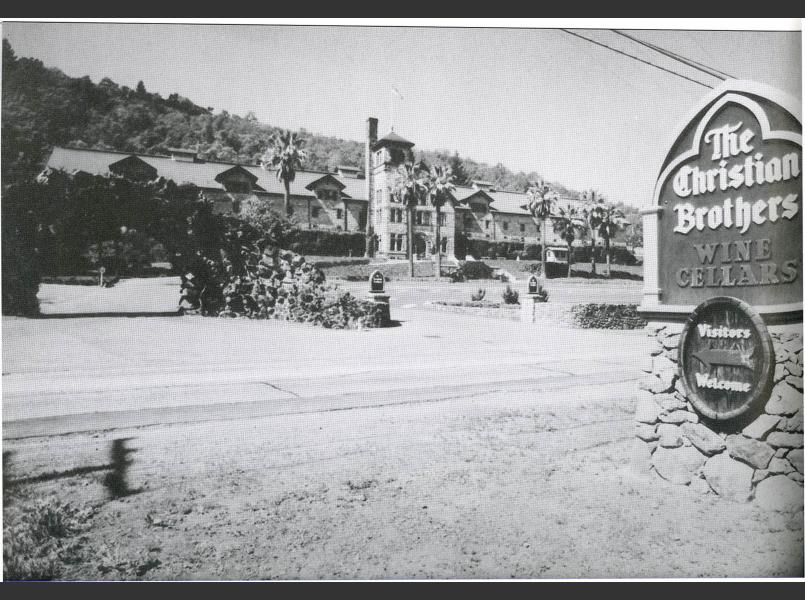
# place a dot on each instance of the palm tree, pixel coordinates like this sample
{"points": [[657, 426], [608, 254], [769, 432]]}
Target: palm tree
{"points": [[568, 224], [286, 156], [540, 204], [440, 186], [592, 200], [409, 188], [611, 219]]}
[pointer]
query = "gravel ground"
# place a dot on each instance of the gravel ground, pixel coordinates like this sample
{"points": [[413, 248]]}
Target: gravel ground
{"points": [[474, 487]]}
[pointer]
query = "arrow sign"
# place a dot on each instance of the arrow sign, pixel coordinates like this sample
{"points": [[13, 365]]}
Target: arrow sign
{"points": [[728, 358]]}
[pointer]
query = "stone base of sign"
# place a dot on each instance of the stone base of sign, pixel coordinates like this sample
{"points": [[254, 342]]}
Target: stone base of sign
{"points": [[732, 458], [383, 301], [530, 305]]}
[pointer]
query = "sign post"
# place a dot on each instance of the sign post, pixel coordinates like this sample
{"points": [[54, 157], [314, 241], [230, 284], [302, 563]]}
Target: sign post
{"points": [[532, 297], [723, 297], [378, 295]]}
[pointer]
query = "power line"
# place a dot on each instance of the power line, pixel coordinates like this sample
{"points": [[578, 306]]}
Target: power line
{"points": [[704, 50], [687, 61], [636, 58]]}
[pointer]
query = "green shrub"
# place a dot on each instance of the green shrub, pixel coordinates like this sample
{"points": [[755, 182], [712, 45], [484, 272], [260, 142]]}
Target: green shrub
{"points": [[552, 269], [474, 270], [511, 296], [237, 271], [38, 539], [607, 316], [480, 248], [532, 252], [126, 256], [20, 259], [326, 264], [479, 295], [328, 243]]}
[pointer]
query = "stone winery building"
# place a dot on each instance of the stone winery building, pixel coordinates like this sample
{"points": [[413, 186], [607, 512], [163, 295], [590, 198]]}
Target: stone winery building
{"points": [[344, 200]]}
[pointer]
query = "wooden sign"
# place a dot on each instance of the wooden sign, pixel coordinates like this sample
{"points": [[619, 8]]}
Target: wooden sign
{"points": [[726, 218], [726, 358], [377, 282], [533, 285]]}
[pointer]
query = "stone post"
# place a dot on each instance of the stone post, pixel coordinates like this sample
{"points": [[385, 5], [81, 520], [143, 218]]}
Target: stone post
{"points": [[529, 300], [760, 456], [377, 294]]}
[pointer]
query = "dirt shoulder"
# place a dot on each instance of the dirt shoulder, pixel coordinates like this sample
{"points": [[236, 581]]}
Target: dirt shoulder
{"points": [[486, 485]]}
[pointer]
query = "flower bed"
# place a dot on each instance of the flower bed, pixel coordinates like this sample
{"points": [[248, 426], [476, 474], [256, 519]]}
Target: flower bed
{"points": [[606, 316]]}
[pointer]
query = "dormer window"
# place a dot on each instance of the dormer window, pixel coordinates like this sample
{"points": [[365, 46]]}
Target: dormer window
{"points": [[326, 187], [135, 168], [325, 194], [235, 186], [236, 180]]}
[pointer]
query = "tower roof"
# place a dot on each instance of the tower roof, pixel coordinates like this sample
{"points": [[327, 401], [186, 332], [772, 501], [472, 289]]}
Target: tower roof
{"points": [[392, 138]]}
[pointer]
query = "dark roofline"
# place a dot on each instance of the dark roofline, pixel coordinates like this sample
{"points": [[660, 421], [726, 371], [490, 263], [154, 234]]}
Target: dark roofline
{"points": [[310, 186], [201, 161]]}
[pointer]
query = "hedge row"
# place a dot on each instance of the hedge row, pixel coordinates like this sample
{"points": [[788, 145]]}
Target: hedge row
{"points": [[511, 250], [327, 264], [469, 270], [607, 316], [619, 255], [328, 243], [480, 248]]}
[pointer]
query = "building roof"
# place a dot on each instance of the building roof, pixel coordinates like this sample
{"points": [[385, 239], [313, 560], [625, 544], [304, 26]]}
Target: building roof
{"points": [[200, 173], [513, 203], [324, 179], [208, 174], [392, 138]]}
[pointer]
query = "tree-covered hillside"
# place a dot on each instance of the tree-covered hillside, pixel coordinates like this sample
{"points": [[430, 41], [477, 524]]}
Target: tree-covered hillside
{"points": [[43, 107]]}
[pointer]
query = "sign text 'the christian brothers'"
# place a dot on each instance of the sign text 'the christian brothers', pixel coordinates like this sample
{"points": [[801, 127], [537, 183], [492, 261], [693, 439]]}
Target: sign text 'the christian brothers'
{"points": [[751, 169]]}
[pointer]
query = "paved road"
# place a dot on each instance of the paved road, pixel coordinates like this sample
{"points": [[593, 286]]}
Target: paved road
{"points": [[62, 375]]}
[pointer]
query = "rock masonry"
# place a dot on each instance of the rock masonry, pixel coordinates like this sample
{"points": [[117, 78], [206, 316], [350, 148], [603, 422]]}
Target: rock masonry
{"points": [[761, 461]]}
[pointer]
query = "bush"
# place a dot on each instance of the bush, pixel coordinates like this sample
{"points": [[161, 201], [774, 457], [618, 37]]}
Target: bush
{"points": [[511, 296], [532, 252], [328, 243], [475, 270], [38, 539], [553, 269], [326, 264], [20, 260], [479, 295], [619, 255], [481, 248], [607, 316], [237, 271], [126, 256], [71, 279]]}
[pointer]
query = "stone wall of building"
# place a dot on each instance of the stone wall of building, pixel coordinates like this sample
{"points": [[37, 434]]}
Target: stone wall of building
{"points": [[758, 458]]}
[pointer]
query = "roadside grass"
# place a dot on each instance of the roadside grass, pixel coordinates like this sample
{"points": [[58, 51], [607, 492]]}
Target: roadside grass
{"points": [[41, 536]]}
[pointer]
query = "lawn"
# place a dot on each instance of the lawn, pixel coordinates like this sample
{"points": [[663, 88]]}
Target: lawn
{"points": [[578, 270], [358, 269]]}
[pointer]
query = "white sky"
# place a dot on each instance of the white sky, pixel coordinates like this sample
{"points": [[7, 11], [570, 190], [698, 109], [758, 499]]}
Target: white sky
{"points": [[532, 99]]}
